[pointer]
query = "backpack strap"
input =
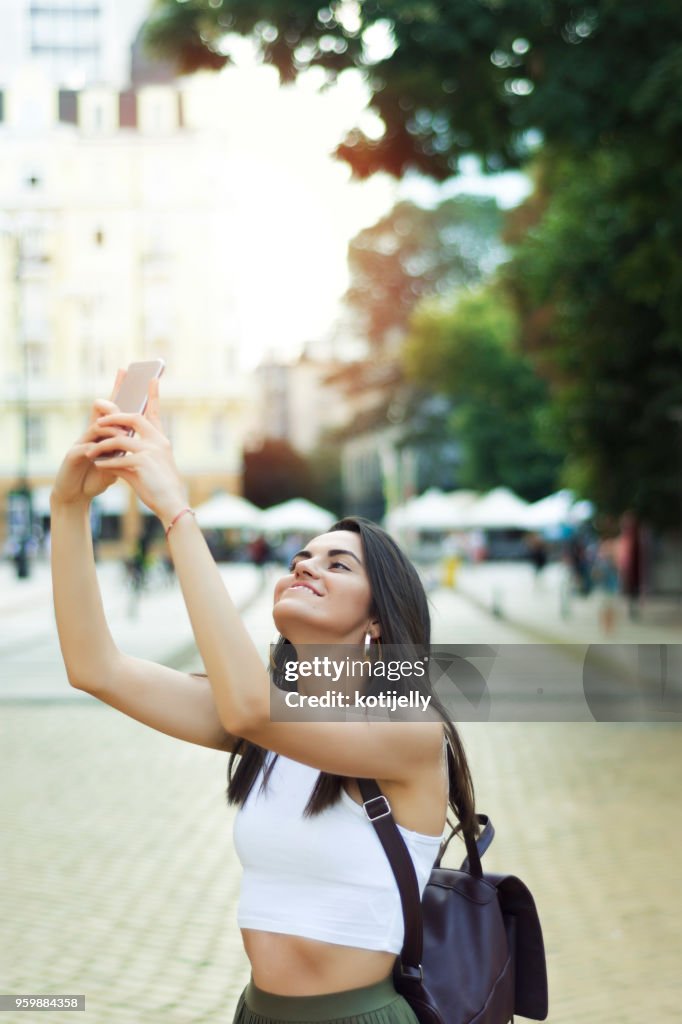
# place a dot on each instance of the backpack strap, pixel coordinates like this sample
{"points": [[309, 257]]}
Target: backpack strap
{"points": [[475, 850], [378, 810]]}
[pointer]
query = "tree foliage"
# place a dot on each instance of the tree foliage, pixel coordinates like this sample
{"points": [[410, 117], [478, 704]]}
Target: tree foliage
{"points": [[475, 76], [468, 349], [591, 92], [274, 472], [413, 252], [598, 282]]}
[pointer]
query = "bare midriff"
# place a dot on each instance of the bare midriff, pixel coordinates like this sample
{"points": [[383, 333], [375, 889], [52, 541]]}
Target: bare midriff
{"points": [[289, 965]]}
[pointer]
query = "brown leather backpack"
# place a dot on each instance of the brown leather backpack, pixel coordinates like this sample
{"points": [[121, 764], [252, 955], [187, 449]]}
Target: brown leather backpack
{"points": [[473, 951]]}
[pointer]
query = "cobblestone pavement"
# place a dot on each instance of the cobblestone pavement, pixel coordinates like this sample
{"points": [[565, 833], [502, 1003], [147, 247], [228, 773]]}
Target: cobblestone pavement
{"points": [[119, 879], [154, 624]]}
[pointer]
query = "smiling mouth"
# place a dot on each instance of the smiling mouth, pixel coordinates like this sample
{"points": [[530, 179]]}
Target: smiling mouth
{"points": [[302, 586]]}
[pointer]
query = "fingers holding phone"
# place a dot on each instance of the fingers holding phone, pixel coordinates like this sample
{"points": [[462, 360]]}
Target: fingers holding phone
{"points": [[140, 453], [78, 478], [131, 393]]}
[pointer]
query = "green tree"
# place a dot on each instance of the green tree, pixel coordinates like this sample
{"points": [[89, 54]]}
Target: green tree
{"points": [[472, 76], [597, 278], [467, 349], [325, 476], [274, 472], [413, 252], [595, 90]]}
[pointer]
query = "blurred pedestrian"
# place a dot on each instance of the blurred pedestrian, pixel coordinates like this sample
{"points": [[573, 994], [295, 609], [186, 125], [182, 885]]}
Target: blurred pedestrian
{"points": [[630, 562], [607, 581], [537, 553], [21, 557], [578, 560], [136, 571], [477, 546], [259, 552]]}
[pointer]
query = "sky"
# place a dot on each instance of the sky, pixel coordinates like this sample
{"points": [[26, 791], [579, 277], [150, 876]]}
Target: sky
{"points": [[298, 207]]}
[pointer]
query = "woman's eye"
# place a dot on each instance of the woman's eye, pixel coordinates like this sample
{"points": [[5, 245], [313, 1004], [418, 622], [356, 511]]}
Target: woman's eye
{"points": [[342, 564]]}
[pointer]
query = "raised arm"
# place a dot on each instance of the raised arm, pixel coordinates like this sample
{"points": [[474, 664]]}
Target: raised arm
{"points": [[172, 702], [238, 678]]}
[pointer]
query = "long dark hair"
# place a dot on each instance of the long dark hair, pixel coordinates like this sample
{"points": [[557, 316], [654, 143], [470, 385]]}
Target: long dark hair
{"points": [[401, 607]]}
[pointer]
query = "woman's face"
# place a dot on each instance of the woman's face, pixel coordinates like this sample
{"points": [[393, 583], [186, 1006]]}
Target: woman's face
{"points": [[326, 597]]}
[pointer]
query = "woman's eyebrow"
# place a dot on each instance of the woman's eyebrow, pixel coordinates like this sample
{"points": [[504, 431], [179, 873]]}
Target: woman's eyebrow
{"points": [[343, 551], [304, 553]]}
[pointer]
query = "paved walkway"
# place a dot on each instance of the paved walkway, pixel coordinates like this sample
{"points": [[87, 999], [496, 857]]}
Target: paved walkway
{"points": [[547, 610], [119, 879], [154, 625]]}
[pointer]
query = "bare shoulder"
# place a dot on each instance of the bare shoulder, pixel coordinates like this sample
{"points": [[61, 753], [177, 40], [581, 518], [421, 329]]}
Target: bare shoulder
{"points": [[419, 802]]}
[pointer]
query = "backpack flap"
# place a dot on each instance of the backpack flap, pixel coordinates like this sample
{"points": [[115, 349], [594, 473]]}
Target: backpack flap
{"points": [[525, 938], [467, 963]]}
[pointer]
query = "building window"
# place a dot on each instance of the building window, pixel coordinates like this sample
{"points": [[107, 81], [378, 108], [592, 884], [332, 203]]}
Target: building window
{"points": [[127, 109], [217, 439], [68, 106], [36, 359], [98, 111], [158, 110], [66, 29], [35, 434], [34, 245]]}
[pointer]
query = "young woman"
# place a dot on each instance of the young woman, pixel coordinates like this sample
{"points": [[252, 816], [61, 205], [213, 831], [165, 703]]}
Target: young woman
{"points": [[319, 909]]}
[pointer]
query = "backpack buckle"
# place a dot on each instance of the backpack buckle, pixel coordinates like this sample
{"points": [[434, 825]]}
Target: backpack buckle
{"points": [[380, 814], [411, 972]]}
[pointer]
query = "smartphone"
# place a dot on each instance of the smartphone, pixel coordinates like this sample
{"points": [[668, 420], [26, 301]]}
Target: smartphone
{"points": [[133, 391]]}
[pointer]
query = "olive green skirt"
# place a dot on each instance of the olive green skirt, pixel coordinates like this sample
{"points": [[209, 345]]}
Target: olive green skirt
{"points": [[374, 1004]]}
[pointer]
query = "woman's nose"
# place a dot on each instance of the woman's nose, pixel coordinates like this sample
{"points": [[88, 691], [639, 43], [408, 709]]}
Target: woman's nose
{"points": [[305, 566]]}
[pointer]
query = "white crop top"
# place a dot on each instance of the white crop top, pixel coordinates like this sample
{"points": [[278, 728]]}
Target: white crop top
{"points": [[323, 877]]}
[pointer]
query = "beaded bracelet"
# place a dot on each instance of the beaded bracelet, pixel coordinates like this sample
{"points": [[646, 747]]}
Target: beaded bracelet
{"points": [[174, 520]]}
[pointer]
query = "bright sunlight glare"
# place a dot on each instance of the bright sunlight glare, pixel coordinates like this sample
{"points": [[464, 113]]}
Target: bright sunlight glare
{"points": [[289, 208]]}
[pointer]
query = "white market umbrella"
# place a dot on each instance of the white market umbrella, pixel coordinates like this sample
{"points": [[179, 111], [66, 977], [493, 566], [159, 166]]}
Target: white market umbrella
{"points": [[499, 509], [228, 512], [430, 511], [554, 510], [581, 511], [296, 515], [434, 511]]}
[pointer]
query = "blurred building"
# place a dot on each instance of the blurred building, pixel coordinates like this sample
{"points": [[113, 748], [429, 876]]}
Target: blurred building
{"points": [[114, 246], [377, 469], [358, 408], [298, 402], [73, 42]]}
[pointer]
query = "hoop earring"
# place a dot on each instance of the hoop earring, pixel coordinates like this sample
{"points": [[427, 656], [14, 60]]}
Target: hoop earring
{"points": [[368, 644]]}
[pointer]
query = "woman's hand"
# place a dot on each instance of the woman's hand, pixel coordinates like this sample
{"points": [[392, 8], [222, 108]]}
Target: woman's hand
{"points": [[148, 465], [77, 480]]}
